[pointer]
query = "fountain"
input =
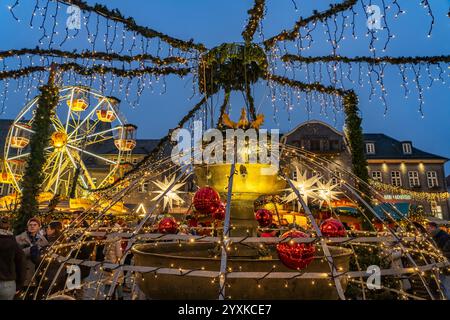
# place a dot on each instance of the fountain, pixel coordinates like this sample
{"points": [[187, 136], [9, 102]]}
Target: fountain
{"points": [[249, 183]]}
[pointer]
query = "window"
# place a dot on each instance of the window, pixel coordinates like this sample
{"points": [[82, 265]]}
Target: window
{"points": [[334, 145], [336, 177], [432, 179], [315, 145], [143, 188], [370, 148], [396, 179], [407, 148], [413, 177], [294, 175], [376, 175], [436, 210]]}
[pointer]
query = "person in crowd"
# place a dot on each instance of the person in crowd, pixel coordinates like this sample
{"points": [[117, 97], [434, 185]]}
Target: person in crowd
{"points": [[53, 231], [12, 263], [442, 240], [113, 254], [32, 243]]}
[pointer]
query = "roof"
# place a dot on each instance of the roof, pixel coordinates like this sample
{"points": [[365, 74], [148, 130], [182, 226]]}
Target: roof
{"points": [[312, 122], [390, 148]]}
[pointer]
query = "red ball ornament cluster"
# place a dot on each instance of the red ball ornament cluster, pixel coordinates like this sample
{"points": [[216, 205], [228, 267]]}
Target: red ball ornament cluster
{"points": [[206, 200], [264, 217], [295, 255], [168, 225], [332, 228]]}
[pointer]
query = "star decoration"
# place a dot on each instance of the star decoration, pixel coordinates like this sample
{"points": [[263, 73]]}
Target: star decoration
{"points": [[304, 185], [172, 195], [326, 192]]}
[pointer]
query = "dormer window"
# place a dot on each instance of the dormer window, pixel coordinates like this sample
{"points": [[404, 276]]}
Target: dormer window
{"points": [[407, 149], [370, 148]]}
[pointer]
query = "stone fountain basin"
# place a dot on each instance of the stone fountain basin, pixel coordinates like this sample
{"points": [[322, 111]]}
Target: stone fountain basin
{"points": [[197, 256]]}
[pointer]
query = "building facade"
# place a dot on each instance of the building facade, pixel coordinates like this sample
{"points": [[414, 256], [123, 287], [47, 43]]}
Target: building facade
{"points": [[390, 162], [401, 165]]}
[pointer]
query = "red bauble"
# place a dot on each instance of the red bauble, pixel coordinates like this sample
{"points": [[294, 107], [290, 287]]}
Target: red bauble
{"points": [[168, 225], [192, 222], [219, 214], [264, 217], [332, 228], [206, 200], [295, 255]]}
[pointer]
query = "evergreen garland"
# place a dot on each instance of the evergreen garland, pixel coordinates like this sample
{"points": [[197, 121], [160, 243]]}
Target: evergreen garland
{"points": [[355, 136], [33, 177]]}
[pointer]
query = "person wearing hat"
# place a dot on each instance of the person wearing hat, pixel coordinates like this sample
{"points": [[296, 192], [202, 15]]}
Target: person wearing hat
{"points": [[12, 263], [32, 243]]}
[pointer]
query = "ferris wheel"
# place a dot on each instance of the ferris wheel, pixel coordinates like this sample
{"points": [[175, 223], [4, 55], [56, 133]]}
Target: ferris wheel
{"points": [[89, 144]]}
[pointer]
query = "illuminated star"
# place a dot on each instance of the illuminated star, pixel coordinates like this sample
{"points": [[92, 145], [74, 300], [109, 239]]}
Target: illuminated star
{"points": [[172, 195], [326, 192], [304, 185]]}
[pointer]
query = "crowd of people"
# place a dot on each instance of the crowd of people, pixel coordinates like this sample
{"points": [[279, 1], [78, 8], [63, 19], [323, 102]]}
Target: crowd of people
{"points": [[21, 255]]}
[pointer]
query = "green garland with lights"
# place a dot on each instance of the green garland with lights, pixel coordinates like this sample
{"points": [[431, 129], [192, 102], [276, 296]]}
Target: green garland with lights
{"points": [[96, 69], [369, 60], [231, 66], [33, 177], [96, 55], [256, 14], [317, 16], [355, 136], [131, 25]]}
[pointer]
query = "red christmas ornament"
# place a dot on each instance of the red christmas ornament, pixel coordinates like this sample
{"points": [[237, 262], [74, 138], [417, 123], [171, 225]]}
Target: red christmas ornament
{"points": [[206, 200], [295, 255], [219, 214], [168, 225], [192, 222], [264, 217], [332, 228]]}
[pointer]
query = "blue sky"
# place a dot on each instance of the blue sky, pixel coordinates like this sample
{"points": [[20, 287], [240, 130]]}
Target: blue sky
{"points": [[215, 22]]}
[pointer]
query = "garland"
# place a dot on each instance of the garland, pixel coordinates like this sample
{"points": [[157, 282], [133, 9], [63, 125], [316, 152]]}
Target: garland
{"points": [[231, 66], [92, 55], [130, 25], [355, 137], [370, 60], [415, 195], [306, 87], [256, 14], [96, 69], [294, 32], [33, 176]]}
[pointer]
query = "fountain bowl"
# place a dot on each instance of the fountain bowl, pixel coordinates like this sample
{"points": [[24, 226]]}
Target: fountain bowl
{"points": [[199, 256]]}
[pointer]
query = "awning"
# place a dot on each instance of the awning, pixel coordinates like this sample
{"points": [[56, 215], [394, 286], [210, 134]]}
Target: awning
{"points": [[386, 210]]}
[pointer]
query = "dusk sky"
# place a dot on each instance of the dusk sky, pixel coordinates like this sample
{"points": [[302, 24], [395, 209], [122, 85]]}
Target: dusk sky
{"points": [[215, 22]]}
